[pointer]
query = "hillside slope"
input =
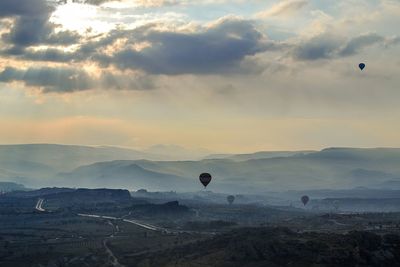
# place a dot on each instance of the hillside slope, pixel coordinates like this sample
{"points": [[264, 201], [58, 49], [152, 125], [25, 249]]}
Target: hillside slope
{"points": [[280, 247], [330, 168]]}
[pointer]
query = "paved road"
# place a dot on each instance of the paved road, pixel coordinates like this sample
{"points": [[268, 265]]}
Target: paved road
{"points": [[140, 224], [39, 205], [147, 226], [338, 223]]}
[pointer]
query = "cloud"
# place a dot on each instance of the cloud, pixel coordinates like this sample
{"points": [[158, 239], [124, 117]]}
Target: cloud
{"points": [[47, 55], [158, 3], [89, 2], [49, 79], [219, 48], [31, 8], [31, 24], [149, 3], [319, 47], [141, 3], [66, 79], [327, 45], [126, 58], [287, 7], [360, 42], [393, 41], [97, 2]]}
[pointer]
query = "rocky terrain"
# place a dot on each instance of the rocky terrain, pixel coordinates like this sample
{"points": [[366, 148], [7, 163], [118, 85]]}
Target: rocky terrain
{"points": [[283, 247]]}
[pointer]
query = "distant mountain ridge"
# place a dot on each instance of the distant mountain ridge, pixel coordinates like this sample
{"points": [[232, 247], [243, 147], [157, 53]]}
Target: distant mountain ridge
{"points": [[10, 186], [66, 157], [174, 152], [76, 166], [331, 168], [122, 174], [259, 155], [80, 196], [31, 164]]}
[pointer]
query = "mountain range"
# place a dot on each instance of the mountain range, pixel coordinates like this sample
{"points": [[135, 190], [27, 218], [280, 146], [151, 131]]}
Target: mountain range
{"points": [[80, 166]]}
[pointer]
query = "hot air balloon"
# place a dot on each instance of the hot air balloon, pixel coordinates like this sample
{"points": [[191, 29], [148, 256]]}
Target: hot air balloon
{"points": [[305, 200], [361, 66], [336, 204], [230, 199], [205, 179]]}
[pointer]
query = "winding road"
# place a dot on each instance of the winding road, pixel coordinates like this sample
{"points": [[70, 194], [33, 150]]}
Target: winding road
{"points": [[113, 259]]}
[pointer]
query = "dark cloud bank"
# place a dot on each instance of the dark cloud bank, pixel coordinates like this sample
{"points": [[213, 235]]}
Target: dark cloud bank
{"points": [[327, 46]]}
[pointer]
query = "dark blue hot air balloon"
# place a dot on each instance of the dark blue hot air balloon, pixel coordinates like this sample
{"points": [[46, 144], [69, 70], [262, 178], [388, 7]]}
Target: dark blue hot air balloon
{"points": [[230, 199], [361, 66], [205, 179], [305, 199]]}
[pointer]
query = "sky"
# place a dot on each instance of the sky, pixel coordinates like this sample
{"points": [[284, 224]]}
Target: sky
{"points": [[226, 76]]}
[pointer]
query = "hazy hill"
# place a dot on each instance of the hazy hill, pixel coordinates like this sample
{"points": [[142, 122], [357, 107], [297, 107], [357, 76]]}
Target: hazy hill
{"points": [[258, 155], [39, 192], [33, 163], [36, 165], [82, 195], [331, 168], [358, 154], [9, 186], [361, 192], [80, 166], [62, 157], [174, 152], [122, 174]]}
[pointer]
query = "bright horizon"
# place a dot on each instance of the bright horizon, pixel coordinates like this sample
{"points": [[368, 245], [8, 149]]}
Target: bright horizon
{"points": [[199, 150]]}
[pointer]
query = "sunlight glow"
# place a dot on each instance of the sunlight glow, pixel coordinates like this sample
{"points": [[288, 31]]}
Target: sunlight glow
{"points": [[80, 18]]}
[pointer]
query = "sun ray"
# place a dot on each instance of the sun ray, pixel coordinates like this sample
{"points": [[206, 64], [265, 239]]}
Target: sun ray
{"points": [[80, 17]]}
